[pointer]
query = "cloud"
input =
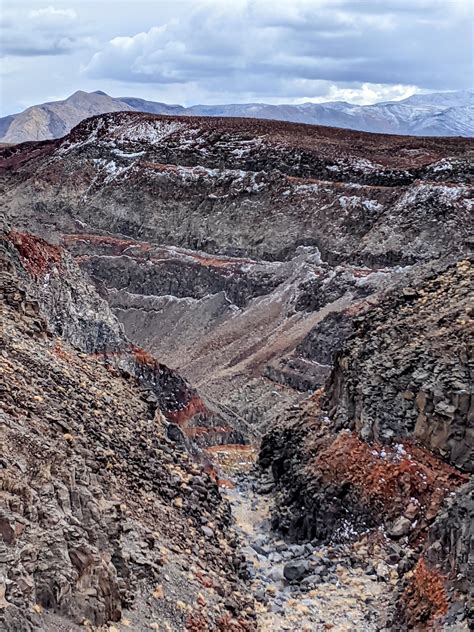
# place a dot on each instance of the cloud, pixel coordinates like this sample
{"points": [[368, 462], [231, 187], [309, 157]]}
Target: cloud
{"points": [[50, 14], [276, 48], [47, 31], [367, 93], [224, 51]]}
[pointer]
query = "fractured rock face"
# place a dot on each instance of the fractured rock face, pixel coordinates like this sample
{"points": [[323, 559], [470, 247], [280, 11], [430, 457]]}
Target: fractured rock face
{"points": [[405, 371], [94, 496], [245, 188], [383, 445], [257, 259], [75, 312]]}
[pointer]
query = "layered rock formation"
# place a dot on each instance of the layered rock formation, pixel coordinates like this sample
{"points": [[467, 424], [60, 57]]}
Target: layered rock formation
{"points": [[222, 243], [385, 445], [407, 369], [312, 284], [75, 312]]}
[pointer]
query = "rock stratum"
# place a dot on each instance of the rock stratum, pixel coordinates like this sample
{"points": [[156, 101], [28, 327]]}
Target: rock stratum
{"points": [[301, 289]]}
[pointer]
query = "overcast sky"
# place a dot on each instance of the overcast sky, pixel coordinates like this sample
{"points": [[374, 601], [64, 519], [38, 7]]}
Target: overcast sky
{"points": [[223, 51]]}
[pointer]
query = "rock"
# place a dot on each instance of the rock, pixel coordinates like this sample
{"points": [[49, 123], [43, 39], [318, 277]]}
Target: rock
{"points": [[297, 550], [276, 573], [87, 476], [260, 550], [383, 571], [295, 570], [175, 433], [280, 546], [260, 595], [208, 532], [275, 557], [402, 526], [311, 580], [266, 488]]}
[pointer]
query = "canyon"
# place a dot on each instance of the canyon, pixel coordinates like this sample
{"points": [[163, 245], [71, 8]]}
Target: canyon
{"points": [[253, 340]]}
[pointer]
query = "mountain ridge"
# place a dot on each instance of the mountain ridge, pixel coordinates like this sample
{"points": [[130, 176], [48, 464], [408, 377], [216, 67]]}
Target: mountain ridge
{"points": [[436, 114]]}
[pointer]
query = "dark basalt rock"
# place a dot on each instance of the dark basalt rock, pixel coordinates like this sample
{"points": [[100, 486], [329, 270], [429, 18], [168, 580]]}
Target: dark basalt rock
{"points": [[95, 494], [405, 370], [295, 570], [258, 258]]}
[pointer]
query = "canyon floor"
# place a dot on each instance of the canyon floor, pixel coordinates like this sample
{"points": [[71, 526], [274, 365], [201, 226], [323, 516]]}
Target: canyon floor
{"points": [[334, 595]]}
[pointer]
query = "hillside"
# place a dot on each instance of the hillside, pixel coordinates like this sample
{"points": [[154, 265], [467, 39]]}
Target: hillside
{"points": [[99, 504], [55, 119], [219, 232]]}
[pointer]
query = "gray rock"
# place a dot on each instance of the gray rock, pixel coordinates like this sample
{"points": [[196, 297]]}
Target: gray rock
{"points": [[295, 570], [311, 580], [260, 550], [383, 571], [276, 573], [297, 550], [275, 557], [208, 532], [401, 526]]}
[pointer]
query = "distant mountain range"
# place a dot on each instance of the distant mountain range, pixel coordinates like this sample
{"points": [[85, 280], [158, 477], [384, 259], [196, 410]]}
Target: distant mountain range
{"points": [[436, 114]]}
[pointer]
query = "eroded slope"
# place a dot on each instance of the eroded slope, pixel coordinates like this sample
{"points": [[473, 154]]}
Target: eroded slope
{"points": [[227, 246], [103, 516]]}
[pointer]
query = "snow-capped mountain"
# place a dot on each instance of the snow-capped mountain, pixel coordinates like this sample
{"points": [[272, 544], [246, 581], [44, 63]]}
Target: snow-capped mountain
{"points": [[436, 114]]}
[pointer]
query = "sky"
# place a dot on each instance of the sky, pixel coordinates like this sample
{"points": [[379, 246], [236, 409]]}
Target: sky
{"points": [[233, 51]]}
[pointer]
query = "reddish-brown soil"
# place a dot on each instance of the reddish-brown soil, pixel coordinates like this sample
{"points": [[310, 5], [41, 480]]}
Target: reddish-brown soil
{"points": [[37, 255], [388, 478], [425, 598], [193, 407]]}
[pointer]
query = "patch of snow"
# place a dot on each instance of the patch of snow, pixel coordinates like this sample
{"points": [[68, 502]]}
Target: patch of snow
{"points": [[353, 201], [123, 154], [151, 131], [442, 165], [306, 188], [420, 194], [111, 168]]}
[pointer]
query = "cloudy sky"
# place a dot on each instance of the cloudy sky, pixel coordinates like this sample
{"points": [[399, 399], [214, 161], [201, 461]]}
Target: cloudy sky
{"points": [[222, 51]]}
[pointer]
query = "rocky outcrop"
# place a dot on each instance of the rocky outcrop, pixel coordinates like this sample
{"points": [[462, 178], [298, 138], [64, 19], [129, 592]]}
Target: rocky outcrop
{"points": [[102, 515], [256, 259], [406, 371], [240, 187], [441, 585], [70, 303], [75, 312], [373, 453], [336, 486], [223, 245]]}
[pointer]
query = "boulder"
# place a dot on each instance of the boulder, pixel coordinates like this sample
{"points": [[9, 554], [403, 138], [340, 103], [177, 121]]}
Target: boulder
{"points": [[295, 570]]}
